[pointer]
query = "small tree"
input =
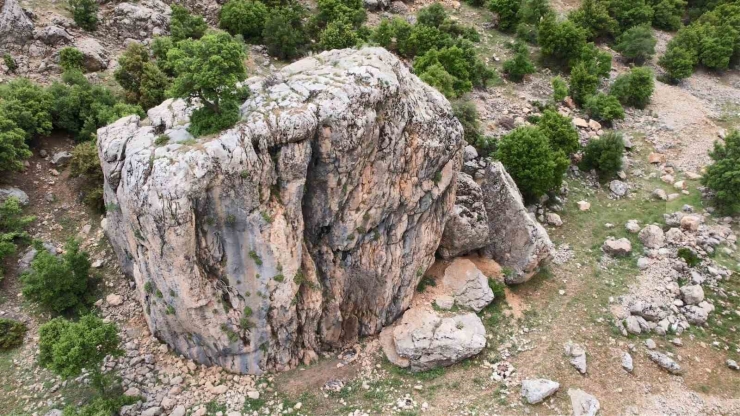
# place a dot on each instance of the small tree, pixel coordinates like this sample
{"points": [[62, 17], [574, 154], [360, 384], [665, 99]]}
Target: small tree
{"points": [[60, 284], [560, 131], [12, 228], [605, 108], [70, 58], [634, 88], [184, 25], [13, 147], [530, 160], [519, 66], [436, 76], [559, 89], [668, 14], [433, 15], [723, 175], [561, 42], [604, 154], [244, 17], [338, 35], [636, 44], [85, 13], [85, 163], [629, 13], [66, 348], [208, 70], [284, 34], [507, 11], [593, 16], [11, 333], [678, 63], [142, 80], [26, 104], [583, 82]]}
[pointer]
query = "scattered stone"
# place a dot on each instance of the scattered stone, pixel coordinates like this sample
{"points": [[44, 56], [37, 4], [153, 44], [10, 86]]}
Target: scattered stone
{"points": [[580, 123], [537, 390], [732, 364], [632, 226], [617, 248], [664, 362], [577, 356], [650, 344], [553, 219], [643, 263], [584, 206], [21, 196], [632, 325], [680, 185], [114, 299], [618, 188], [692, 294], [444, 302], [468, 285], [652, 236], [583, 404], [61, 158], [656, 158], [660, 194], [627, 362], [690, 222], [152, 411]]}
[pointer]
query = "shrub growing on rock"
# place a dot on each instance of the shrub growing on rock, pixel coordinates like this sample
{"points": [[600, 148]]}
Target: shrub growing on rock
{"points": [[467, 114], [723, 175], [85, 13], [520, 65], [211, 81], [604, 154], [11, 333], [634, 88], [10, 63], [605, 108], [70, 58], [142, 80], [560, 131], [636, 44], [531, 161], [85, 162], [244, 17], [184, 25], [59, 283]]}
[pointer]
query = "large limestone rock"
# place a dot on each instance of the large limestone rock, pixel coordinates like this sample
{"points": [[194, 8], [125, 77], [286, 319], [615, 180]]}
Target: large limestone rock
{"points": [[426, 340], [304, 226], [15, 26], [516, 241], [467, 229], [140, 20]]}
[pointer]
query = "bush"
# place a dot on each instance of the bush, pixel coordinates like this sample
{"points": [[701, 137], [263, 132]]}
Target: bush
{"points": [[160, 46], [604, 108], [629, 13], [85, 13], [85, 163], [10, 63], [244, 17], [142, 80], [12, 228], [532, 11], [593, 16], [723, 175], [11, 333], [561, 42], [66, 348], [507, 11], [13, 147], [58, 283], [436, 76], [27, 105], [668, 14], [634, 88], [338, 35], [678, 63], [689, 256], [520, 65], [184, 25], [559, 89], [637, 44], [100, 406], [531, 161], [348, 11], [70, 58], [467, 114], [212, 81], [597, 61], [583, 83], [560, 131], [604, 154], [284, 34], [433, 15]]}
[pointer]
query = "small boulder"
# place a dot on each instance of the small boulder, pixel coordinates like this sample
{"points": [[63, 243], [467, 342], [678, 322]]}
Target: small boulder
{"points": [[468, 285], [617, 248], [537, 390], [553, 219], [732, 365], [652, 236], [95, 56], [583, 404], [690, 222], [61, 158], [584, 206], [627, 362], [114, 299], [656, 158], [618, 188], [665, 362], [660, 194], [16, 193], [692, 294], [577, 356], [632, 226]]}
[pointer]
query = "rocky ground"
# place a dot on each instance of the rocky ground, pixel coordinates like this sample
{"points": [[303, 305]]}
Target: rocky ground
{"points": [[618, 322]]}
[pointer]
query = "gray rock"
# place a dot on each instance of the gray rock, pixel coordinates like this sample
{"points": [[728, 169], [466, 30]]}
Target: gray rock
{"points": [[15, 26], [695, 315], [627, 362], [553, 219], [665, 362], [16, 193], [61, 158], [468, 285], [428, 340], [399, 7], [617, 248], [618, 188], [95, 56], [632, 324], [302, 206], [179, 410], [53, 35], [467, 228], [140, 20], [152, 411], [469, 153], [650, 344], [692, 294], [577, 356], [377, 4], [517, 241], [24, 263], [643, 263], [732, 364], [652, 236], [660, 194], [583, 404], [537, 390], [632, 226], [54, 412]]}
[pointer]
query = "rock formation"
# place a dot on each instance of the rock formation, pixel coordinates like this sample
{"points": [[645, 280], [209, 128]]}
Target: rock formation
{"points": [[15, 26], [141, 20], [306, 225]]}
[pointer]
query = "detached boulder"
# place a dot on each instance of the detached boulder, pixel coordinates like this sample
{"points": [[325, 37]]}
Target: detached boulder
{"points": [[15, 26], [16, 193], [95, 56], [652, 236], [53, 35], [537, 390], [467, 228], [427, 340], [617, 248], [468, 285]]}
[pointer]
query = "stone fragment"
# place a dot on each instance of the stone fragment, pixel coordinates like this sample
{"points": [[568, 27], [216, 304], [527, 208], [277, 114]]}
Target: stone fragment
{"points": [[618, 188], [468, 285], [16, 193], [690, 222], [692, 294], [114, 299], [660, 194], [656, 158], [467, 228], [652, 236], [627, 362], [617, 248], [537, 390], [577, 356], [584, 206], [664, 362], [583, 404], [553, 219]]}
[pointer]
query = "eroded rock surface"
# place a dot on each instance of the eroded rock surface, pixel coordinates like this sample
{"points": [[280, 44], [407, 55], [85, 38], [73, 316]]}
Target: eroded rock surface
{"points": [[306, 225], [15, 26], [140, 20], [467, 229]]}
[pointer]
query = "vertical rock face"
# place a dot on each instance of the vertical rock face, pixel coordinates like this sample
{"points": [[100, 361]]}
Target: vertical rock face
{"points": [[306, 225], [15, 26]]}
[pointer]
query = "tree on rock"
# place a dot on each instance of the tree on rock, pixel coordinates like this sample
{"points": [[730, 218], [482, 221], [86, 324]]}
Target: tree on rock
{"points": [[208, 70]]}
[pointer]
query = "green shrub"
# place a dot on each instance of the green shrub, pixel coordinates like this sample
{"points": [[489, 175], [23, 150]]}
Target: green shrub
{"points": [[597, 61], [583, 83], [560, 131], [11, 333], [532, 11], [668, 14], [629, 13], [59, 283], [160, 46], [605, 108], [507, 11], [85, 13], [691, 258], [85, 162], [531, 161], [284, 34], [453, 70], [70, 58], [348, 11], [723, 175], [593, 16], [27, 105], [184, 25], [142, 80], [13, 147], [604, 154], [467, 114], [636, 44], [433, 15], [634, 88], [244, 17], [10, 63], [678, 63], [101, 406], [12, 228], [560, 42], [338, 35], [212, 81], [559, 89], [520, 65], [66, 348]]}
